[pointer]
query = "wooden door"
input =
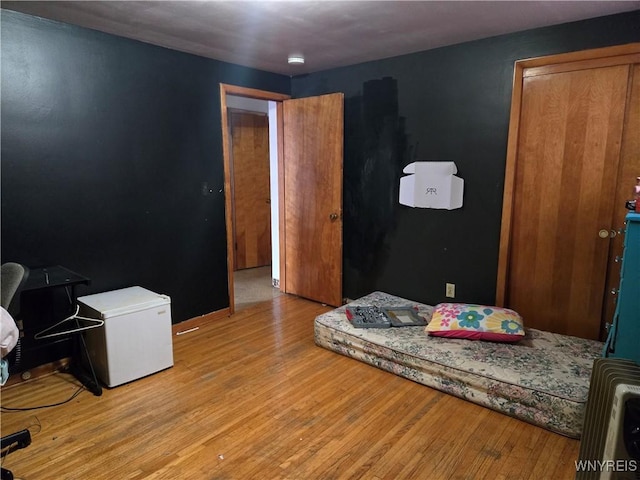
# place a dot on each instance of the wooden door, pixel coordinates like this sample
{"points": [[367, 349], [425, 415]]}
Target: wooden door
{"points": [[250, 186], [312, 178], [565, 180], [628, 171]]}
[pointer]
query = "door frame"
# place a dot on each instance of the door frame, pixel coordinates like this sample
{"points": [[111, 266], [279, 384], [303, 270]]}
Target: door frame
{"points": [[278, 98], [549, 64]]}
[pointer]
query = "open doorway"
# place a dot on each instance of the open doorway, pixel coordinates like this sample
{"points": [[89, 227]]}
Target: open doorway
{"points": [[251, 201], [251, 155], [309, 141]]}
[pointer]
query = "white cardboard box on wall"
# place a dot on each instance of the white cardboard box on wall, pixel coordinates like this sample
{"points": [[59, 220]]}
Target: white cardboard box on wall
{"points": [[431, 185]]}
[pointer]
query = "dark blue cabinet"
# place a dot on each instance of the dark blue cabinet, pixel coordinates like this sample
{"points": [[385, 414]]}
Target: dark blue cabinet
{"points": [[623, 340]]}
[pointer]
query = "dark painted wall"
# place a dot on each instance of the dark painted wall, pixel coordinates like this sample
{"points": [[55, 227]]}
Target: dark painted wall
{"points": [[445, 104], [109, 150]]}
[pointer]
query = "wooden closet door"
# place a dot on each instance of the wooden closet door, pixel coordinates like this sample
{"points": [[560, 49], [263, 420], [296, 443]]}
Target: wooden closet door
{"points": [[628, 170], [251, 194], [570, 133]]}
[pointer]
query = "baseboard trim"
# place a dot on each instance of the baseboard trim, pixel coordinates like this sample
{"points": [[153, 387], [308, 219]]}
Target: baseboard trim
{"points": [[195, 323]]}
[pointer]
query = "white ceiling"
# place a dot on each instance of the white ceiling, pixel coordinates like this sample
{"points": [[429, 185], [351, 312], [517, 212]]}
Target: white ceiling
{"points": [[261, 34]]}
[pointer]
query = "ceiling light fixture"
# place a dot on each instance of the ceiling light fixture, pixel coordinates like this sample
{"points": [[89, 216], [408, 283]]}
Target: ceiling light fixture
{"points": [[296, 59]]}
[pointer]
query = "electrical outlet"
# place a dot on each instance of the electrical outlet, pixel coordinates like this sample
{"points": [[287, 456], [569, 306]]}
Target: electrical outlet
{"points": [[450, 290]]}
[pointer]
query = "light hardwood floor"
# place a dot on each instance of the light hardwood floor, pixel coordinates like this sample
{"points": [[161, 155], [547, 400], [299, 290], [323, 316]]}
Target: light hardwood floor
{"points": [[252, 396]]}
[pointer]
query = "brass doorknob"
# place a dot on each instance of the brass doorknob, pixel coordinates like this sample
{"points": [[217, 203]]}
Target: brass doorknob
{"points": [[333, 217], [604, 233]]}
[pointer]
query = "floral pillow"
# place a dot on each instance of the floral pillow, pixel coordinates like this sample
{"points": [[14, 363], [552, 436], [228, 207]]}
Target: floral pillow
{"points": [[475, 322]]}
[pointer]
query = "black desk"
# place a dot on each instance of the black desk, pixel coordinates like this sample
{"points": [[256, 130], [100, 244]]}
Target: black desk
{"points": [[53, 277]]}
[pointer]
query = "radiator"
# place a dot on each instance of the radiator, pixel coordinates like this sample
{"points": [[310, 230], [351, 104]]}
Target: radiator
{"points": [[607, 450]]}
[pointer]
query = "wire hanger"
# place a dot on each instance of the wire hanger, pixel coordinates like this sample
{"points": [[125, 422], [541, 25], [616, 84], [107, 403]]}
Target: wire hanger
{"points": [[93, 323]]}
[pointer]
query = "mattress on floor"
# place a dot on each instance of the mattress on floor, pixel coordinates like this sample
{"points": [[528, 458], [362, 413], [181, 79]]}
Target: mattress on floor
{"points": [[543, 379]]}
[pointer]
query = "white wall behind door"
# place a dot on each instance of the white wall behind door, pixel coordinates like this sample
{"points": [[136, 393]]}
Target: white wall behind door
{"points": [[273, 175]]}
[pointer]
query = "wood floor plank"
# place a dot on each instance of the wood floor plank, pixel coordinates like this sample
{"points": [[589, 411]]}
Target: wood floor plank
{"points": [[252, 396]]}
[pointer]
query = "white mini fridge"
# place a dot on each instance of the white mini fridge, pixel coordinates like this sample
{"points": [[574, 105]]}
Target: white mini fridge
{"points": [[135, 340]]}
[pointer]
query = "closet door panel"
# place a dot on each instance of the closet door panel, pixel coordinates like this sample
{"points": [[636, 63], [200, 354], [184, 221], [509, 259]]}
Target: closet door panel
{"points": [[628, 170], [570, 134]]}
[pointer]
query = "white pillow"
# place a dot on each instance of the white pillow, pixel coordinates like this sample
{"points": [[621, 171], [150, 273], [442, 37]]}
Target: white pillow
{"points": [[8, 332]]}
